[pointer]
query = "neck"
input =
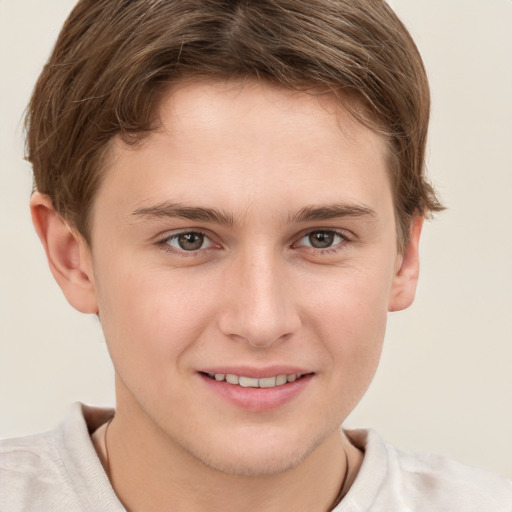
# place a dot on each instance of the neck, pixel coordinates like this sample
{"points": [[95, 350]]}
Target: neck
{"points": [[151, 472]]}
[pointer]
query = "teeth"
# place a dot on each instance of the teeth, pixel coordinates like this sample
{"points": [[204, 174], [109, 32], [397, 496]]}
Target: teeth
{"points": [[250, 382], [232, 379], [247, 382], [281, 379], [267, 382]]}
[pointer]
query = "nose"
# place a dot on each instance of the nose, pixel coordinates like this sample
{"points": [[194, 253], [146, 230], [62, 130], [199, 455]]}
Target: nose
{"points": [[259, 307]]}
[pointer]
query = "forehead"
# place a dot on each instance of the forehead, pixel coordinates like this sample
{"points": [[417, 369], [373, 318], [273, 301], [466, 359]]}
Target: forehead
{"points": [[240, 144], [249, 113]]}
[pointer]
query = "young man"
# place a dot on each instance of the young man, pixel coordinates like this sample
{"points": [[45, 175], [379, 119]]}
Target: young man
{"points": [[237, 190]]}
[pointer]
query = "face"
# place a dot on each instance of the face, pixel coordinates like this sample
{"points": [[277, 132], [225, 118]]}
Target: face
{"points": [[244, 259]]}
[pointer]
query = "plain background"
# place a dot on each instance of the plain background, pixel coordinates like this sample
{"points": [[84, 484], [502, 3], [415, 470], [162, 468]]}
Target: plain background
{"points": [[445, 380]]}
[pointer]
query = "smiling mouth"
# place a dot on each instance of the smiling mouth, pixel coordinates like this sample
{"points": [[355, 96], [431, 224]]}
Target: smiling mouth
{"points": [[251, 382]]}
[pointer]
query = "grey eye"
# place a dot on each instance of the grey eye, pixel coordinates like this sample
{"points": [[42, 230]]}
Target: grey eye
{"points": [[191, 241], [321, 239]]}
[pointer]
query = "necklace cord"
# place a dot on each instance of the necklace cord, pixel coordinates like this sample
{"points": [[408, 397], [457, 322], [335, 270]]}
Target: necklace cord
{"points": [[107, 459], [342, 491]]}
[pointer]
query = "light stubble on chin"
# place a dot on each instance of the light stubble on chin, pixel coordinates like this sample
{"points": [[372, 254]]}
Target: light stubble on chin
{"points": [[269, 463]]}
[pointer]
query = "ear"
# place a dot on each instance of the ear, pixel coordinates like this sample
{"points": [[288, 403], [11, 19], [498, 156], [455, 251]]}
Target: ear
{"points": [[68, 254], [405, 280]]}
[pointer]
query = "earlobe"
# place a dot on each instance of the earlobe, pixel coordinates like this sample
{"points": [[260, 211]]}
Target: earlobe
{"points": [[406, 276], [67, 252]]}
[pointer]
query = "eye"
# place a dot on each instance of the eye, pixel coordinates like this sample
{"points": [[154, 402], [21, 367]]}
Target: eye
{"points": [[189, 241], [321, 239]]}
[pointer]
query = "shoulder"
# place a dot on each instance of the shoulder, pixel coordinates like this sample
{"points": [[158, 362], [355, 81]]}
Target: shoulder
{"points": [[422, 482], [444, 480], [31, 469], [56, 470]]}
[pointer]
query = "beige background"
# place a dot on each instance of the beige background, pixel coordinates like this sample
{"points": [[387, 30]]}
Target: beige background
{"points": [[445, 381]]}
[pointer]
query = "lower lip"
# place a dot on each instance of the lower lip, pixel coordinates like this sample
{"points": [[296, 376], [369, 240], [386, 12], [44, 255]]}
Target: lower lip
{"points": [[258, 399]]}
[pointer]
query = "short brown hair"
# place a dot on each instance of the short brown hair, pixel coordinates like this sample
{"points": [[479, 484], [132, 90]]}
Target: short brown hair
{"points": [[113, 58]]}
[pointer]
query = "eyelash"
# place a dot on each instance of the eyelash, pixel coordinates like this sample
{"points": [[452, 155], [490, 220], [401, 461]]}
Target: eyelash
{"points": [[327, 250], [165, 245]]}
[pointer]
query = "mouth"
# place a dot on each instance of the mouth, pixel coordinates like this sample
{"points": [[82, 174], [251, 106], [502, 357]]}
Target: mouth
{"points": [[257, 390], [251, 382]]}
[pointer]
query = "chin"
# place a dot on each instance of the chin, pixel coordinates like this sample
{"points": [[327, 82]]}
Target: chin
{"points": [[256, 454], [265, 463]]}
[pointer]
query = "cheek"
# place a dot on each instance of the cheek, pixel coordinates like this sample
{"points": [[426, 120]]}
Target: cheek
{"points": [[354, 333], [354, 343], [149, 317], [353, 304], [350, 321]]}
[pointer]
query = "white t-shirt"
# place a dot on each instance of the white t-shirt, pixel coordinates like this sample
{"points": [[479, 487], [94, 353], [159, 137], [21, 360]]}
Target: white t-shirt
{"points": [[59, 471]]}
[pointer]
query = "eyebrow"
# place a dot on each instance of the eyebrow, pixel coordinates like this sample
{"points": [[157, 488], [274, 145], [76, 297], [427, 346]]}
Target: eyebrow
{"points": [[201, 214], [332, 211], [194, 213]]}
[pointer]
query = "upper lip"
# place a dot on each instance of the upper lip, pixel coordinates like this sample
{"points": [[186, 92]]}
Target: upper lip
{"points": [[256, 373]]}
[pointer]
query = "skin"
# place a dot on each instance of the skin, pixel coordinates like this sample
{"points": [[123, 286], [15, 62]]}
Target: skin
{"points": [[255, 293]]}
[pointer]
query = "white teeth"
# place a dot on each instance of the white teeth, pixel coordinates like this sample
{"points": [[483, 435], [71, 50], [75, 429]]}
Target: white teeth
{"points": [[251, 382], [247, 382], [232, 379], [281, 379], [267, 382]]}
